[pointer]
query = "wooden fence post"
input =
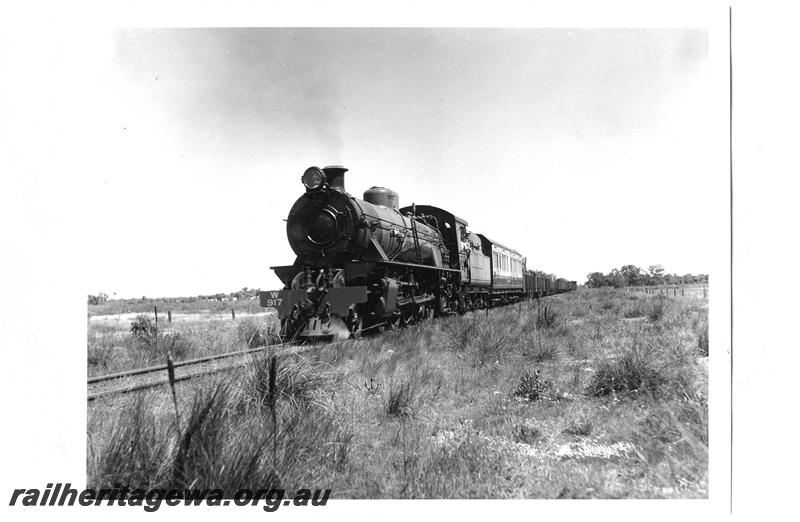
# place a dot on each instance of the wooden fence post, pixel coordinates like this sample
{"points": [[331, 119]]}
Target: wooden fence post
{"points": [[233, 313], [169, 316], [155, 312]]}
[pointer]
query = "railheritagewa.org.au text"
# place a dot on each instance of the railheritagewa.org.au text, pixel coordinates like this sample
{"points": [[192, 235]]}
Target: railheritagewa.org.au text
{"points": [[59, 494]]}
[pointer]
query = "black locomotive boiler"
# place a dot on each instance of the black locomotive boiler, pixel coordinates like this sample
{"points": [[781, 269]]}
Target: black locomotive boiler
{"points": [[367, 263]]}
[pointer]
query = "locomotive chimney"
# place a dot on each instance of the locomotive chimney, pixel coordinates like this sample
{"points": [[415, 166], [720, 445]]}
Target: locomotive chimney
{"points": [[335, 175]]}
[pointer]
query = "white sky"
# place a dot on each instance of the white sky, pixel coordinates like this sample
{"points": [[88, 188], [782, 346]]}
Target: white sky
{"points": [[584, 149]]}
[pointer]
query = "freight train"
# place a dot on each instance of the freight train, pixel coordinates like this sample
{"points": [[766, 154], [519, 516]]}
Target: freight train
{"points": [[366, 264]]}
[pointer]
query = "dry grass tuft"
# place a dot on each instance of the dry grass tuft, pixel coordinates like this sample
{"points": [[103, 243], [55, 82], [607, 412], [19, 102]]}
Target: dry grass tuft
{"points": [[400, 399], [295, 380], [253, 333], [636, 369], [702, 337], [546, 318], [134, 452], [657, 308]]}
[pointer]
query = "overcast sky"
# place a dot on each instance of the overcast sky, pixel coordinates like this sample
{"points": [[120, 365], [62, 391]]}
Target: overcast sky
{"points": [[584, 149]]}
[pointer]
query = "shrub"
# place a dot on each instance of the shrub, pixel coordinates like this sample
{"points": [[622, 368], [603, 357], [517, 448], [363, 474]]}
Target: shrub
{"points": [[146, 346], [144, 329], [531, 387]]}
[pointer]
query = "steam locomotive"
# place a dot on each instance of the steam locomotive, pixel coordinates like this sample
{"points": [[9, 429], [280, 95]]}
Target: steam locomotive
{"points": [[366, 264]]}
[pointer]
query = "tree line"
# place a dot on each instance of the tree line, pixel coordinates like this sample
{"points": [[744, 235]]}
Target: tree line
{"points": [[240, 295], [632, 275]]}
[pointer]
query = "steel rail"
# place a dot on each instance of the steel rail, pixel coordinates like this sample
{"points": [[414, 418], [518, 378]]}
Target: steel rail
{"points": [[178, 378], [187, 362]]}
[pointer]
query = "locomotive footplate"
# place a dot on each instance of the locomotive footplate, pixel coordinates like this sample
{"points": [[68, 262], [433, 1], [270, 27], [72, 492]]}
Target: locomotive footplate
{"points": [[339, 298]]}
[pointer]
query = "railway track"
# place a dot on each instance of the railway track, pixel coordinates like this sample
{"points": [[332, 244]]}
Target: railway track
{"points": [[151, 377], [154, 376]]}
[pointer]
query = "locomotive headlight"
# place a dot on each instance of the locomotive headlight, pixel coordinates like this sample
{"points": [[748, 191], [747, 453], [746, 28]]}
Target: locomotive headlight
{"points": [[313, 178]]}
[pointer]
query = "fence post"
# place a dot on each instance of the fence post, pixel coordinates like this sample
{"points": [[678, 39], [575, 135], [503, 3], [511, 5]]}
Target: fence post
{"points": [[681, 292], [155, 312], [233, 313], [169, 316]]}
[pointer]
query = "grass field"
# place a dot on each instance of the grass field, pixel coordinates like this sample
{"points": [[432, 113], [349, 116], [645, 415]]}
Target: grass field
{"points": [[179, 304], [590, 394], [113, 348]]}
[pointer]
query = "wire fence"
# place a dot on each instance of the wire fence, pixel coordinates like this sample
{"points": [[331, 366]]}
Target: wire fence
{"points": [[673, 290]]}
